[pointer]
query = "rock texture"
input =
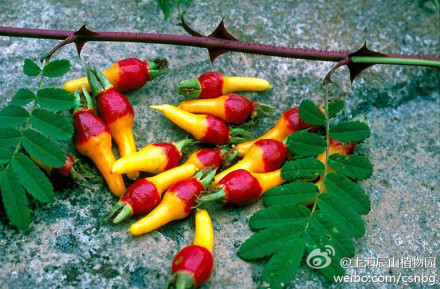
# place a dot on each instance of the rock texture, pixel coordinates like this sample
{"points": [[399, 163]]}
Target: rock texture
{"points": [[68, 245]]}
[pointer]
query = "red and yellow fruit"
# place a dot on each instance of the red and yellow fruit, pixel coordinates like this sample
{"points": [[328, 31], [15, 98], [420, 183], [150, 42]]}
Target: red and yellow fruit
{"points": [[145, 194], [92, 138], [232, 108], [241, 187], [193, 265], [153, 158], [214, 84], [177, 203], [265, 155], [126, 74], [288, 123], [206, 128]]}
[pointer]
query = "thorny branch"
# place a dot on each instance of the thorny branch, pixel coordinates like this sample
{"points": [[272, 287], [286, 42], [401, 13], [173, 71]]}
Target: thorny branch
{"points": [[221, 41], [204, 42]]}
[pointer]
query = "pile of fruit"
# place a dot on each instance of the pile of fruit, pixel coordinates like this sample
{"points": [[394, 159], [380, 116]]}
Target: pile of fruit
{"points": [[214, 117]]}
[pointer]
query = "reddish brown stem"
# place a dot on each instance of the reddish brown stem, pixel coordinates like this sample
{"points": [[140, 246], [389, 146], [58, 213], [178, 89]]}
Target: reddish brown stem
{"points": [[204, 42]]}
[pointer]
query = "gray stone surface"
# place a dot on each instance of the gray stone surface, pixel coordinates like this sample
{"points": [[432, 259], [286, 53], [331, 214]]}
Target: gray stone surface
{"points": [[68, 245]]}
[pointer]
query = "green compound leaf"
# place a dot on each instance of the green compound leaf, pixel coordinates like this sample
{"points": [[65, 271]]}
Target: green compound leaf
{"points": [[269, 241], [167, 7], [32, 178], [283, 266], [304, 143], [55, 98], [350, 131], [321, 234], [5, 156], [291, 193], [43, 149], [320, 224], [355, 166], [13, 115], [14, 199], [279, 215], [349, 192], [51, 124], [22, 97], [311, 113], [9, 137], [318, 241], [308, 168], [30, 68], [335, 106], [342, 216], [56, 68], [328, 229]]}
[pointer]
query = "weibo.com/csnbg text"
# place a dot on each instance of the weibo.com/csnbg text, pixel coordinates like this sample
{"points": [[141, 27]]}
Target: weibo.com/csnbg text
{"points": [[320, 259]]}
